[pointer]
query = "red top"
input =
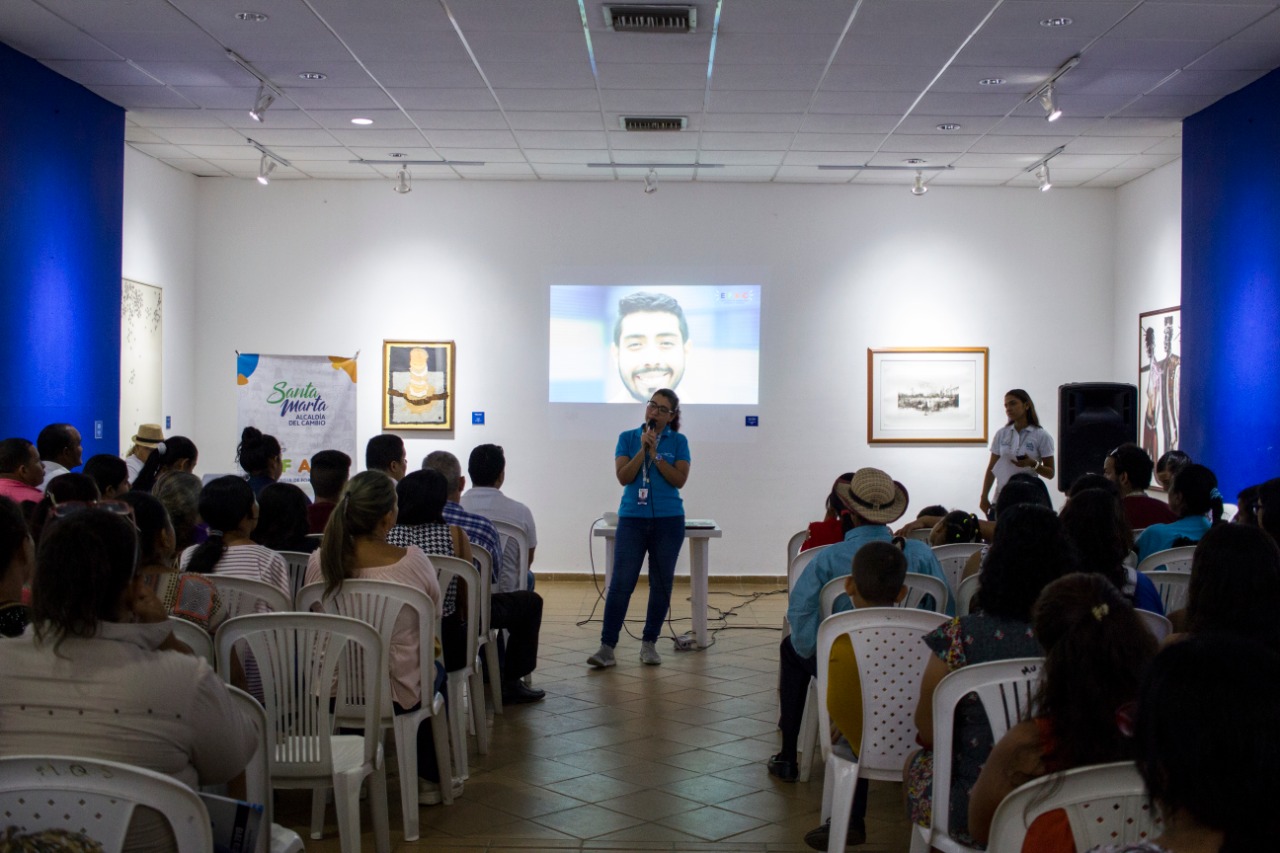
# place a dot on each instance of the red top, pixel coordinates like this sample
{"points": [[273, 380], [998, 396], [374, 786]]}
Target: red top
{"points": [[318, 515], [1141, 512], [826, 532]]}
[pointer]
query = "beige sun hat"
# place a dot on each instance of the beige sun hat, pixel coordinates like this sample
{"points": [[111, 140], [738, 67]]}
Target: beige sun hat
{"points": [[149, 435], [874, 496]]}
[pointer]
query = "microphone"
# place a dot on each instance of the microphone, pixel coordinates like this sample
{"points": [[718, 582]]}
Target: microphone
{"points": [[652, 426]]}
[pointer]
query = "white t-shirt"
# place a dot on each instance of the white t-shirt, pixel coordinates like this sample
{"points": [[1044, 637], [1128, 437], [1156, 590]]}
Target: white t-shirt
{"points": [[495, 506], [1009, 443]]}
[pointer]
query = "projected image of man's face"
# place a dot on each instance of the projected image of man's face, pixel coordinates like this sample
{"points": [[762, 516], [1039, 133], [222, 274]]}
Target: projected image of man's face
{"points": [[651, 352]]}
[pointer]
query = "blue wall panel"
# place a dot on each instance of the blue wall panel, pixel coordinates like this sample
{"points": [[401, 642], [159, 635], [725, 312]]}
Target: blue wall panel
{"points": [[61, 187]]}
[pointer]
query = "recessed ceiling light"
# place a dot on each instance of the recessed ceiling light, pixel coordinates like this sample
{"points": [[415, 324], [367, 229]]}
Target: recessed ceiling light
{"points": [[914, 161], [1056, 22], [362, 121], [948, 126], [313, 75], [992, 81], [251, 17], [397, 154]]}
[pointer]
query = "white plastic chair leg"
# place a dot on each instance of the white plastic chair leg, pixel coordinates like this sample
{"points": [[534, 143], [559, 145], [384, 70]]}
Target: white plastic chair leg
{"points": [[475, 688], [846, 781], [378, 808], [346, 801], [317, 813], [808, 740], [495, 675], [407, 767], [458, 727]]}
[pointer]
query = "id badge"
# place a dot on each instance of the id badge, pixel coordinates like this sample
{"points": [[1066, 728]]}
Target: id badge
{"points": [[642, 496]]}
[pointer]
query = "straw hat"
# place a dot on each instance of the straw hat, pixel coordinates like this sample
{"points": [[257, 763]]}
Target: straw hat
{"points": [[149, 435], [874, 496]]}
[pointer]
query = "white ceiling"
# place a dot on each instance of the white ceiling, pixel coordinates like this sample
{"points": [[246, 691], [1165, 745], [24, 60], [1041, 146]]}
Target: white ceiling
{"points": [[772, 89]]}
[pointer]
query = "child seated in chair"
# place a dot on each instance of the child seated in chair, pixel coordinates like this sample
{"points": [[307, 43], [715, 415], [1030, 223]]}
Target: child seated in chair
{"points": [[877, 580]]}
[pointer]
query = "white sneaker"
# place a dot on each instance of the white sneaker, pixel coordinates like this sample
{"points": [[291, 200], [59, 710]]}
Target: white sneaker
{"points": [[429, 792], [603, 658], [649, 654]]}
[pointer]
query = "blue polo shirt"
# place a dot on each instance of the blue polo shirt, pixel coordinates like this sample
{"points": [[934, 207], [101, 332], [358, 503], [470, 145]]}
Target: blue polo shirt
{"points": [[1160, 537], [664, 498]]}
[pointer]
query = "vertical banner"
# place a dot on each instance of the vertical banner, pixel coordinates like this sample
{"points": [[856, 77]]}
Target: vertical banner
{"points": [[308, 402]]}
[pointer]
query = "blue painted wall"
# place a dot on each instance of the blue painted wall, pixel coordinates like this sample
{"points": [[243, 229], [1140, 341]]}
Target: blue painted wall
{"points": [[1231, 286], [61, 191]]}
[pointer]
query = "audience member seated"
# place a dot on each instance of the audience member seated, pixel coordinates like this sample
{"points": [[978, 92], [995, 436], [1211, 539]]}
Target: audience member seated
{"points": [[1235, 586], [487, 468], [423, 495], [329, 472], [21, 471], [110, 473], [956, 527], [68, 488], [1269, 496], [1096, 651], [879, 570], [869, 502], [227, 505], [1193, 496], [1026, 489], [145, 441], [1094, 519], [1092, 480], [177, 453], [282, 519], [184, 594], [17, 560], [1246, 506], [259, 457], [1030, 551], [386, 453], [60, 450], [355, 546], [480, 530], [1208, 746], [1129, 467], [829, 531], [179, 491], [95, 676], [1169, 464]]}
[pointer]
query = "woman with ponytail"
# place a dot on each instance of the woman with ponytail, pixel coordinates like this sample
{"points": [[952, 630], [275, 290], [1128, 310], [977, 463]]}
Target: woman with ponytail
{"points": [[1195, 499], [259, 456], [228, 507], [176, 453]]}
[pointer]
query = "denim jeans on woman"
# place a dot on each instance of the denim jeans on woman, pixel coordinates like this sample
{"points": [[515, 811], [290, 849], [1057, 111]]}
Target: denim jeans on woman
{"points": [[661, 539]]}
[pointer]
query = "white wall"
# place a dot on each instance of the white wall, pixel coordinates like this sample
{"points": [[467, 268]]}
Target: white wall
{"points": [[159, 249], [335, 267]]}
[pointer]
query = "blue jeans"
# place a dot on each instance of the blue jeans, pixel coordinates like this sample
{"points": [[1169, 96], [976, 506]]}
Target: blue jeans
{"points": [[661, 539]]}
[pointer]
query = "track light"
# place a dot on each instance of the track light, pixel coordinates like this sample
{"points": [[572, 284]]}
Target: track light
{"points": [[919, 188], [1042, 175], [651, 182], [1050, 104], [404, 181], [265, 99], [265, 167]]}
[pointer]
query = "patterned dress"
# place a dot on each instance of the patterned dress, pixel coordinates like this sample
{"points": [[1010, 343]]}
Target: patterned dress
{"points": [[432, 538]]}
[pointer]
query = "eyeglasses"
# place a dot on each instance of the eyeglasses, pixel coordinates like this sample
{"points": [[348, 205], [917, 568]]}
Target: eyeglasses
{"points": [[662, 410]]}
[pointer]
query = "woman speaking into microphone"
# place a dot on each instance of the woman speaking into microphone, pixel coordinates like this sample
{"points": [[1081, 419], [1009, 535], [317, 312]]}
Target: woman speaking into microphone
{"points": [[652, 464]]}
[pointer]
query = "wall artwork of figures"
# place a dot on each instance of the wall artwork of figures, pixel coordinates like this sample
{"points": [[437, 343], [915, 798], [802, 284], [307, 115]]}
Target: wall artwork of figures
{"points": [[1159, 370]]}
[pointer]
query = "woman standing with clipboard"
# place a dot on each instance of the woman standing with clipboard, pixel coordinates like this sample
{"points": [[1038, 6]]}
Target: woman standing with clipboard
{"points": [[652, 464], [1020, 447]]}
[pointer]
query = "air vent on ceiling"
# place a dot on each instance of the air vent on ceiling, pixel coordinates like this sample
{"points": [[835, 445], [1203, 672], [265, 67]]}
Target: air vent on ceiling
{"points": [[660, 124], [651, 19]]}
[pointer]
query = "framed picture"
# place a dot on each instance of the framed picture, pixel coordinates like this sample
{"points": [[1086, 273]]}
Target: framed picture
{"points": [[417, 378], [935, 395], [1159, 363]]}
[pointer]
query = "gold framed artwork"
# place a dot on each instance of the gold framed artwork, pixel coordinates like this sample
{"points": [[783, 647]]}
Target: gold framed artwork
{"points": [[927, 395], [417, 381]]}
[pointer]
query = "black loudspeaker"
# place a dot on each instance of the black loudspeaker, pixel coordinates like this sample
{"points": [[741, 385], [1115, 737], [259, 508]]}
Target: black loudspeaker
{"points": [[1093, 419]]}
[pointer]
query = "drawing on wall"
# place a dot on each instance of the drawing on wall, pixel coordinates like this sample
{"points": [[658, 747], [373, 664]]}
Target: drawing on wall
{"points": [[934, 395], [418, 378], [141, 358], [1159, 369]]}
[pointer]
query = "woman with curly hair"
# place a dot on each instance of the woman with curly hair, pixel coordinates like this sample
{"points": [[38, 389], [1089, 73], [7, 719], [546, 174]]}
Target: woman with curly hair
{"points": [[1095, 521]]}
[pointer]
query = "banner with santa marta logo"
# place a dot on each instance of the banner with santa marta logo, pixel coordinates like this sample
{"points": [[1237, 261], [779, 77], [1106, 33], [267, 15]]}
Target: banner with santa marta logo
{"points": [[308, 402]]}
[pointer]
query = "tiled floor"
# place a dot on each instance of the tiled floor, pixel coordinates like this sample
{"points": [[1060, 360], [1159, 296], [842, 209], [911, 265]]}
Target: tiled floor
{"points": [[635, 757]]}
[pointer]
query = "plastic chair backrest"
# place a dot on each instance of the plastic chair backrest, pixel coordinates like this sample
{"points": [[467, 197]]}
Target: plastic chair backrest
{"points": [[1173, 559], [1105, 804], [195, 637], [888, 644], [449, 568], [300, 656], [1159, 626], [257, 774], [920, 534], [511, 538], [794, 543], [798, 564], [1005, 689], [1172, 587], [484, 561], [297, 562], [97, 798], [242, 596], [918, 586], [964, 595], [952, 558]]}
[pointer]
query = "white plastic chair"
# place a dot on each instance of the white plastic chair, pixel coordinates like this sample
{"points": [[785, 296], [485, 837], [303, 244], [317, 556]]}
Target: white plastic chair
{"points": [[1159, 626], [920, 534], [300, 657], [272, 838], [1005, 689], [888, 645], [508, 533], [1105, 804], [488, 634], [379, 603], [794, 543], [466, 685], [297, 562], [242, 596], [97, 798], [798, 564], [195, 637], [952, 558], [964, 595], [1172, 587], [1173, 559]]}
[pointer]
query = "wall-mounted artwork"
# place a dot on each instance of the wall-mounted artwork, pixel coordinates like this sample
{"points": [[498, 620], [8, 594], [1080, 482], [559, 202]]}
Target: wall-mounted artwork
{"points": [[1159, 368], [417, 378], [927, 395], [141, 358]]}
